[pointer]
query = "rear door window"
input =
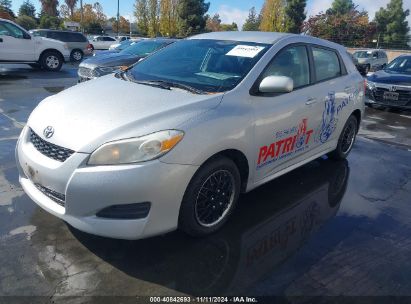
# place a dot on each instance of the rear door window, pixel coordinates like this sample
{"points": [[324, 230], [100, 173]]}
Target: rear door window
{"points": [[326, 64]]}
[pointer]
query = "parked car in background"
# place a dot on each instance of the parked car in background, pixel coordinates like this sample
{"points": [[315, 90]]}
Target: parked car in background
{"points": [[102, 42], [77, 42], [122, 38], [19, 46], [117, 47], [392, 85], [370, 60], [173, 141], [100, 65]]}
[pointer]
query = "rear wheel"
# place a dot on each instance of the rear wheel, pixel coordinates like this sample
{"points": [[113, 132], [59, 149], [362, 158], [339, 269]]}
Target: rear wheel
{"points": [[76, 55], [51, 61], [346, 140], [210, 197]]}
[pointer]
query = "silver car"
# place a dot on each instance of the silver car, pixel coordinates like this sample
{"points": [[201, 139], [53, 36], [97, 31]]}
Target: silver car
{"points": [[370, 60], [196, 124]]}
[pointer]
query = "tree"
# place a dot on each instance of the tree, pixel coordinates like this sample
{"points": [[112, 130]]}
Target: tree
{"points": [[49, 7], [50, 22], [351, 29], [341, 7], [213, 24], [94, 18], [27, 9], [124, 25], [168, 17], [192, 19], [153, 17], [392, 25], [141, 14], [229, 27], [71, 4], [27, 22], [5, 10], [273, 16], [252, 23], [294, 15]]}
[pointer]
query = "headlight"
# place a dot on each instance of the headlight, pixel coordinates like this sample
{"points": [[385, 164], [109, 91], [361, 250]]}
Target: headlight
{"points": [[136, 150], [370, 85], [106, 70]]}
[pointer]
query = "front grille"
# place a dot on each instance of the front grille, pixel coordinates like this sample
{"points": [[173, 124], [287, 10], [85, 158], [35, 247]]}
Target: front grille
{"points": [[53, 195], [86, 72], [404, 97], [53, 151]]}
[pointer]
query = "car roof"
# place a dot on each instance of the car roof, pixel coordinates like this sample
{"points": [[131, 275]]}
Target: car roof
{"points": [[60, 31], [257, 37]]}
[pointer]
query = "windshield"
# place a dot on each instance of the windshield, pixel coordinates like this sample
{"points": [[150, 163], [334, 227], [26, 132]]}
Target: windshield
{"points": [[144, 48], [363, 54], [206, 65], [400, 65]]}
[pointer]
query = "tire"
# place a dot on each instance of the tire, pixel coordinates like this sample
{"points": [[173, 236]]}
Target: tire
{"points": [[201, 211], [346, 139], [51, 61], [76, 55], [367, 69]]}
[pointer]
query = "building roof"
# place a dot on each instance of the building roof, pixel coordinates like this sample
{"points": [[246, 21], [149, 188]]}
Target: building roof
{"points": [[257, 37]]}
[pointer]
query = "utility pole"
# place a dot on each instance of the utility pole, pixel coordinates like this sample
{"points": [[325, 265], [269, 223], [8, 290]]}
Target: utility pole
{"points": [[118, 16], [130, 27], [81, 16]]}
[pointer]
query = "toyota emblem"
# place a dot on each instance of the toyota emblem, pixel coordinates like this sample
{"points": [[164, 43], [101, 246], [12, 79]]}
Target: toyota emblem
{"points": [[48, 131]]}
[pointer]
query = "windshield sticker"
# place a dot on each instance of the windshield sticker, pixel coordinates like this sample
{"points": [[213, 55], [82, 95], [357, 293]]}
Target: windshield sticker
{"points": [[245, 51]]}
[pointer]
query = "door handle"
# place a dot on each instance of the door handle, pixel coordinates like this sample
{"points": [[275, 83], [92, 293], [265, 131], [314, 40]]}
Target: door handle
{"points": [[310, 101], [1, 39]]}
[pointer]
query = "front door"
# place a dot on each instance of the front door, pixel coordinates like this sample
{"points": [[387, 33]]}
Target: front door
{"points": [[15, 45], [284, 123]]}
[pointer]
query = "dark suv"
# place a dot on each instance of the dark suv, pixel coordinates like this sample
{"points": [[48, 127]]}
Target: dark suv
{"points": [[77, 42]]}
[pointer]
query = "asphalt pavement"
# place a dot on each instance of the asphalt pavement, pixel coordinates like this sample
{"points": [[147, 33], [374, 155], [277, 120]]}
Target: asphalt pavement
{"points": [[326, 229]]}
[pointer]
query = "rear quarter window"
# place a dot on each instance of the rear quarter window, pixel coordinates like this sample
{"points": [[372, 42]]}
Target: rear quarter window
{"points": [[326, 64]]}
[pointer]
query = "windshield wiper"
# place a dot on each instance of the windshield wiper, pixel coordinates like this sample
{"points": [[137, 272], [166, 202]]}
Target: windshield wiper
{"points": [[167, 85]]}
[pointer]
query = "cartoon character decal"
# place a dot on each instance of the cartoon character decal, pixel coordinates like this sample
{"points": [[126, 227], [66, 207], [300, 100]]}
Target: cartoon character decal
{"points": [[329, 120]]}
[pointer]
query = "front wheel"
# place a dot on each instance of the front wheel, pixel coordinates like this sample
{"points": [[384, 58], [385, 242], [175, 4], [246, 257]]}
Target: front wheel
{"points": [[346, 140], [210, 197], [51, 61]]}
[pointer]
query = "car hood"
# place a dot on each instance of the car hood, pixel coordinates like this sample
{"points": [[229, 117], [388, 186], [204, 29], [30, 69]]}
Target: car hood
{"points": [[110, 59], [105, 53], [389, 77], [105, 109]]}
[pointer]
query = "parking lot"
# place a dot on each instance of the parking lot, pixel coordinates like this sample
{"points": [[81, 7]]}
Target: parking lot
{"points": [[328, 228]]}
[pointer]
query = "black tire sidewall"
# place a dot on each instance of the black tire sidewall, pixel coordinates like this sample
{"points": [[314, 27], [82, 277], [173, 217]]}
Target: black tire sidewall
{"points": [[338, 154], [187, 218], [44, 64]]}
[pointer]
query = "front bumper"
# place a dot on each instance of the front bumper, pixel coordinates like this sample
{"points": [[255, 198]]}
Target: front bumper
{"points": [[89, 189], [375, 95]]}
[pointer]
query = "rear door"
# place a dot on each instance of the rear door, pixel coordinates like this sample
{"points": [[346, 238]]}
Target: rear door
{"points": [[15, 44]]}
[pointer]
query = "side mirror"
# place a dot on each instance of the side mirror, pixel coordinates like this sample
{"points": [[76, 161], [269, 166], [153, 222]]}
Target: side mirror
{"points": [[276, 84], [26, 36]]}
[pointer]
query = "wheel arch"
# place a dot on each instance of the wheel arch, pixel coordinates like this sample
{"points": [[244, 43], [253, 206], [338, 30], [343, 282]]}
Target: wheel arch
{"points": [[51, 50], [357, 115], [240, 161]]}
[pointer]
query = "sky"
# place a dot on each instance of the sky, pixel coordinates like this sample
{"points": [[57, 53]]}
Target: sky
{"points": [[229, 10]]}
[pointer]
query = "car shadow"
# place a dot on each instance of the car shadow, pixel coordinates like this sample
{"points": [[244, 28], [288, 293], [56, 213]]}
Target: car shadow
{"points": [[270, 225]]}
